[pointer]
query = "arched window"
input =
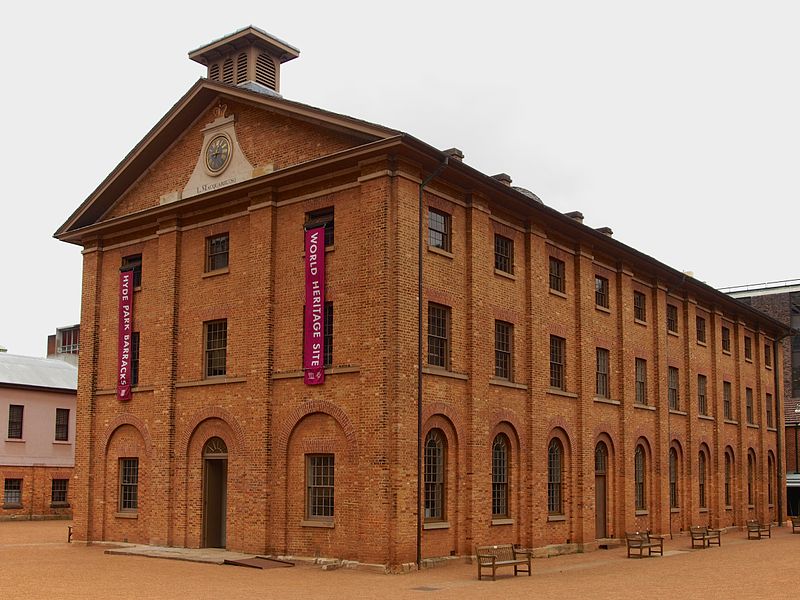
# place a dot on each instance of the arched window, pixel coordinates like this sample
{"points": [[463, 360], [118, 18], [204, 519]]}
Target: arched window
{"points": [[435, 454], [770, 480], [751, 473], [639, 481], [215, 448], [241, 68], [500, 476], [728, 475], [701, 477], [673, 478], [555, 472], [600, 459]]}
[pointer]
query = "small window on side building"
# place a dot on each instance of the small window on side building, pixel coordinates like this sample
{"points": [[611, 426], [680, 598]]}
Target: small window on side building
{"points": [[62, 425], [217, 252], [503, 254], [439, 230], [672, 318], [639, 306], [601, 291], [557, 275]]}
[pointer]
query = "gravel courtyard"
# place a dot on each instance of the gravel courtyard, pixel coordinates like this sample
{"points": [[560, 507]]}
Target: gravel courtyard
{"points": [[36, 562]]}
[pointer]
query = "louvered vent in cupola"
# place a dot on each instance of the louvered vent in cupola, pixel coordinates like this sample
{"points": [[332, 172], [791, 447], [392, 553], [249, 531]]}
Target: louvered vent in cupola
{"points": [[250, 58], [265, 71], [241, 68], [227, 71]]}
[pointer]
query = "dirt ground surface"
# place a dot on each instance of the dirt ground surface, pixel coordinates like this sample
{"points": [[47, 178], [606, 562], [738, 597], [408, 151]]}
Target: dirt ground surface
{"points": [[36, 562]]}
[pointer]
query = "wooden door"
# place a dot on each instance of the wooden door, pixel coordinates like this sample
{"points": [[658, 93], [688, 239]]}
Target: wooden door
{"points": [[600, 490]]}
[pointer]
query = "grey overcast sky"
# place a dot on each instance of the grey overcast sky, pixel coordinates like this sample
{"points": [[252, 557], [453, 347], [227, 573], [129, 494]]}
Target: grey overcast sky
{"points": [[674, 123]]}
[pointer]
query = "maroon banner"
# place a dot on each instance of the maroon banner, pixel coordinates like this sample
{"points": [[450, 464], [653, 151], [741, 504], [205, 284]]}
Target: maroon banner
{"points": [[125, 335], [314, 334]]}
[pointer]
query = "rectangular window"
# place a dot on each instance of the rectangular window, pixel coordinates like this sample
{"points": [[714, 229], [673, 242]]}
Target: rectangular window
{"points": [[748, 400], [748, 348], [769, 411], [58, 492], [558, 352], [503, 254], [134, 262], [216, 252], [216, 344], [726, 340], [62, 424], [602, 387], [15, 412], [12, 493], [319, 482], [672, 318], [767, 355], [322, 218], [673, 393], [601, 291], [701, 330], [557, 275], [68, 340], [438, 335], [128, 484], [438, 230], [327, 340], [727, 404], [135, 358], [702, 403], [503, 344], [639, 306], [641, 381]]}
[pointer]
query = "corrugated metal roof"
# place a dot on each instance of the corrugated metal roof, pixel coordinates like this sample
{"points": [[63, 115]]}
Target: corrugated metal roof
{"points": [[38, 372]]}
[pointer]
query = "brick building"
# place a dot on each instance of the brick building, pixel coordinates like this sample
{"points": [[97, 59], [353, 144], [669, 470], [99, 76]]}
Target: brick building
{"points": [[37, 410], [561, 370], [781, 301]]}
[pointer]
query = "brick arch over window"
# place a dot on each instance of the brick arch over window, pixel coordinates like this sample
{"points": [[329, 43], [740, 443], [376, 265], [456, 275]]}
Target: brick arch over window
{"points": [[603, 434], [317, 406], [443, 409], [557, 423], [506, 421], [136, 423], [237, 443]]}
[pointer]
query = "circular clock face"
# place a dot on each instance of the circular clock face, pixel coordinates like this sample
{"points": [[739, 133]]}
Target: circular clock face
{"points": [[218, 153]]}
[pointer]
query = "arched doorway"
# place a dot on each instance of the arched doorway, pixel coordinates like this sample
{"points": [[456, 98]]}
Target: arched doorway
{"points": [[215, 492], [600, 490]]}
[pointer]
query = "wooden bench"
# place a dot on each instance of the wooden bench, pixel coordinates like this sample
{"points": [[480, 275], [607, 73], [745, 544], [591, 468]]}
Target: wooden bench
{"points": [[639, 541], [503, 555], [705, 536], [756, 530], [795, 524]]}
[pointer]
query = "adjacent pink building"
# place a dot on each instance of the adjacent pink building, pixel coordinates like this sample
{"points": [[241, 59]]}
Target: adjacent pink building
{"points": [[37, 436]]}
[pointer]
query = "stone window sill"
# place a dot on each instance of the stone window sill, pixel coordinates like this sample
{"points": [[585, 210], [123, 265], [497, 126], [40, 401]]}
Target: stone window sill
{"points": [[557, 392], [674, 510], [314, 523], [603, 400], [441, 252], [731, 422], [62, 443], [127, 515], [557, 293], [641, 513], [444, 373], [211, 381], [644, 407], [223, 271], [59, 505], [328, 371], [703, 510], [505, 274], [436, 525], [674, 411], [672, 333], [556, 518], [502, 522], [15, 440], [640, 322], [603, 309], [507, 383], [771, 429], [700, 343], [726, 352], [749, 360], [705, 417], [752, 426], [12, 506]]}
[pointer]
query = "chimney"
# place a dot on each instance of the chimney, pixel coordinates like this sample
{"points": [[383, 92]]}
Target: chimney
{"points": [[606, 231], [504, 178], [576, 215], [249, 58], [455, 154]]}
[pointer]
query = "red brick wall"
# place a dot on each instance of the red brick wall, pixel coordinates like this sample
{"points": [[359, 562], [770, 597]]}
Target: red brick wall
{"points": [[37, 486]]}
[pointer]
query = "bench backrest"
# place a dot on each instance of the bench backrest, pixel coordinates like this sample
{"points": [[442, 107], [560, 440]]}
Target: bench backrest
{"points": [[501, 551], [699, 529]]}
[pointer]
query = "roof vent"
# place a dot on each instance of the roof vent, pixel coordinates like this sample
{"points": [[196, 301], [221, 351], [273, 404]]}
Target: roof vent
{"points": [[605, 231], [504, 178], [455, 154], [576, 215], [257, 57], [528, 193]]}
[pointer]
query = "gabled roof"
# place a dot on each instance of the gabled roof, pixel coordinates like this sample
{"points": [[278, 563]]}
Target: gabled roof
{"points": [[180, 117], [31, 372]]}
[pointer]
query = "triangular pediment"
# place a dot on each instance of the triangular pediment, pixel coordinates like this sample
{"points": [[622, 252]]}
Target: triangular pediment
{"points": [[261, 134]]}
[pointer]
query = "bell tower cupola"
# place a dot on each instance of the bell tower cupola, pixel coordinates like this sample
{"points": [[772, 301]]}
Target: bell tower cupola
{"points": [[249, 57]]}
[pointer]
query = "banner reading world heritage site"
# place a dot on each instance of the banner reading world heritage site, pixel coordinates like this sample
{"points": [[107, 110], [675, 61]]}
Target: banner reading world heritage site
{"points": [[314, 334], [125, 335]]}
